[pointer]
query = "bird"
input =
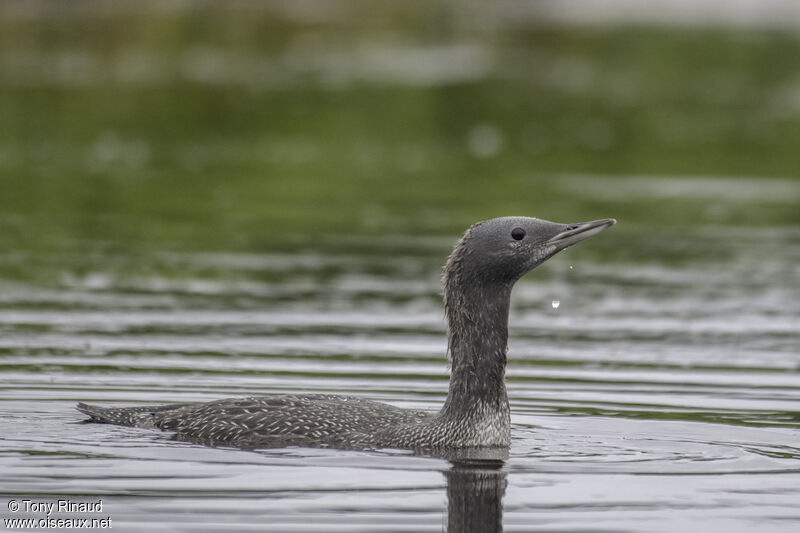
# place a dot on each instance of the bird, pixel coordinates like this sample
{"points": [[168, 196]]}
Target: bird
{"points": [[477, 280]]}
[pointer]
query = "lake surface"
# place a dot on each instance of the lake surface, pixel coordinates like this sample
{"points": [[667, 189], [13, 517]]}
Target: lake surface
{"points": [[205, 200], [645, 396]]}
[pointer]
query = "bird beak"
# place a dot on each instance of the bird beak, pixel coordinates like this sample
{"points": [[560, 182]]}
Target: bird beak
{"points": [[575, 233]]}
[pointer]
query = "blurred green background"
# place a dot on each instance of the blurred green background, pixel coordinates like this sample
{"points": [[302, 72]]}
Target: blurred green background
{"points": [[248, 126]]}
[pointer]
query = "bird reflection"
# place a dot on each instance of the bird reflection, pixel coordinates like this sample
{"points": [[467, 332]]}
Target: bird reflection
{"points": [[476, 484]]}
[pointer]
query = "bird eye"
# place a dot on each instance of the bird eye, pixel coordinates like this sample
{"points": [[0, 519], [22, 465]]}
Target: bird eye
{"points": [[518, 234]]}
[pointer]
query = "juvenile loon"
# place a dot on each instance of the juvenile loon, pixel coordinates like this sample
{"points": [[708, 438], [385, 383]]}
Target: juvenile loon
{"points": [[478, 277]]}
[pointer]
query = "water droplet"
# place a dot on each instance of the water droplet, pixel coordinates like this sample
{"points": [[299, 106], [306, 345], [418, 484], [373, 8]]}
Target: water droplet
{"points": [[556, 303], [570, 267]]}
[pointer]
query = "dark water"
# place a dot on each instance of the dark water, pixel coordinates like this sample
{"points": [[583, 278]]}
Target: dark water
{"points": [[200, 201], [653, 397]]}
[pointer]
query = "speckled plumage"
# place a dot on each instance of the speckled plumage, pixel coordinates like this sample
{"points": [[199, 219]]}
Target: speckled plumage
{"points": [[478, 278]]}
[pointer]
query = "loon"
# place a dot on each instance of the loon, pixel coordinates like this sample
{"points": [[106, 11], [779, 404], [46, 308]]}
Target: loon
{"points": [[478, 278]]}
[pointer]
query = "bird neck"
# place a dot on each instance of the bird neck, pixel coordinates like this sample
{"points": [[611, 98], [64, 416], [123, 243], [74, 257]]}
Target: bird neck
{"points": [[477, 316]]}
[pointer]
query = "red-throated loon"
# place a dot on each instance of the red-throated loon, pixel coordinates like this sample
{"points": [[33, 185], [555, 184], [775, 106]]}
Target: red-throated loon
{"points": [[478, 277]]}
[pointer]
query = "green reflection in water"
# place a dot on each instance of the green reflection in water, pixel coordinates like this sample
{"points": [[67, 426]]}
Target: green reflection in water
{"points": [[158, 129]]}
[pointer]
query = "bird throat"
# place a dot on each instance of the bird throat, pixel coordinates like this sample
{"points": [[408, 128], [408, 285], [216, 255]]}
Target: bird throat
{"points": [[477, 317]]}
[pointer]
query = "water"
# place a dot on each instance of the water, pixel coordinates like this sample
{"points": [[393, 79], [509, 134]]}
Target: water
{"points": [[207, 200], [658, 397]]}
